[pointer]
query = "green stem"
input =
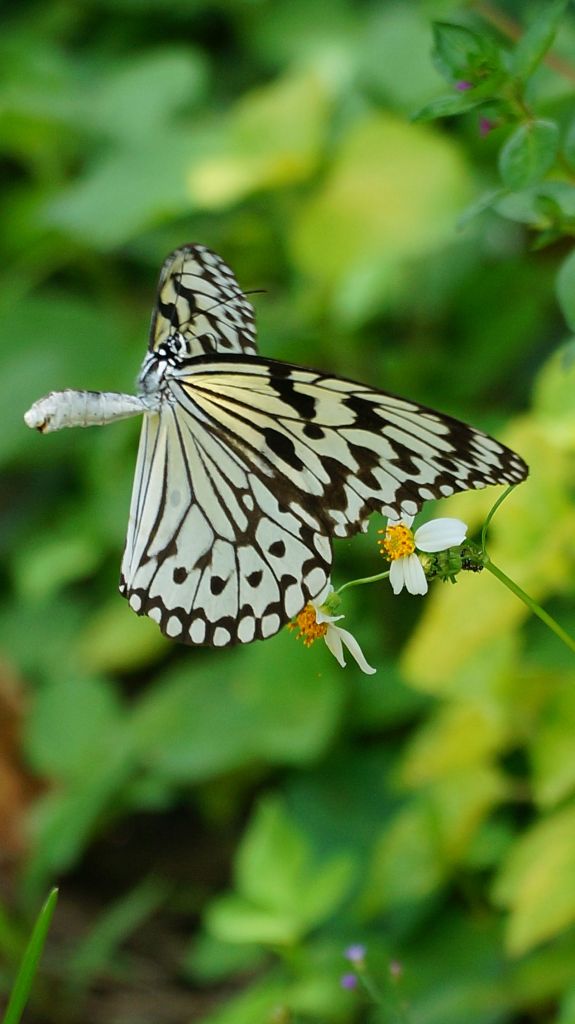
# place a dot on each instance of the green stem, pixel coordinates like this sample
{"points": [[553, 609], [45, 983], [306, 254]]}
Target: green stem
{"points": [[381, 998], [365, 579], [370, 988], [531, 604], [499, 502]]}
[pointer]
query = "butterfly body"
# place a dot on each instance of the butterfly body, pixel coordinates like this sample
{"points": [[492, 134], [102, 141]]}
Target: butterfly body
{"points": [[248, 467]]}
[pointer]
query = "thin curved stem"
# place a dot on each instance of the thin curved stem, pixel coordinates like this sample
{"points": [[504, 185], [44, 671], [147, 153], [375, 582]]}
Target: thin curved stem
{"points": [[365, 579], [490, 515]]}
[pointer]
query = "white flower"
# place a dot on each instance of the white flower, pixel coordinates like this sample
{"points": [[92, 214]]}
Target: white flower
{"points": [[314, 621], [399, 546]]}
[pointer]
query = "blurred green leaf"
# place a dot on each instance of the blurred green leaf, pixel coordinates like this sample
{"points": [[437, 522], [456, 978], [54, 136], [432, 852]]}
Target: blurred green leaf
{"points": [[115, 640], [551, 749], [569, 145], [566, 289], [448, 106], [138, 99], [280, 894], [288, 722], [272, 138], [536, 40], [536, 882], [71, 345], [210, 960], [259, 1002], [393, 194], [126, 193], [408, 864], [75, 724], [393, 36], [43, 570], [526, 206], [462, 54], [530, 151]]}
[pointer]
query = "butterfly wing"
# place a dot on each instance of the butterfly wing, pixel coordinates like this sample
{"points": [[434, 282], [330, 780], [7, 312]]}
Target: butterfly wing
{"points": [[253, 465], [200, 299], [213, 555]]}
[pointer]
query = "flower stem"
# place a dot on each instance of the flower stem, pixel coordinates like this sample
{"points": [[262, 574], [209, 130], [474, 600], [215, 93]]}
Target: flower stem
{"points": [[492, 512], [366, 579], [531, 604], [383, 999]]}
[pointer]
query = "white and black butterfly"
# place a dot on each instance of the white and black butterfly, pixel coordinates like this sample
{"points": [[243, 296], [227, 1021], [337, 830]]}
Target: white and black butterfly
{"points": [[248, 467]]}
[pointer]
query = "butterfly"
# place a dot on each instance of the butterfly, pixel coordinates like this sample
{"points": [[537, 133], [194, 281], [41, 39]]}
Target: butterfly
{"points": [[248, 467]]}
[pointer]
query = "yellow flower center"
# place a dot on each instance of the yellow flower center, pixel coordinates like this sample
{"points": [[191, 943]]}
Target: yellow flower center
{"points": [[309, 628], [398, 541]]}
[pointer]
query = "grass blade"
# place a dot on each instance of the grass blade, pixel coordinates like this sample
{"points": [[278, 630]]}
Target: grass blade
{"points": [[29, 964]]}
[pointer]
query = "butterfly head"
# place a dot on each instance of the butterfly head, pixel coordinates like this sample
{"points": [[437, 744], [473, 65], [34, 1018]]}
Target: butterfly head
{"points": [[169, 354]]}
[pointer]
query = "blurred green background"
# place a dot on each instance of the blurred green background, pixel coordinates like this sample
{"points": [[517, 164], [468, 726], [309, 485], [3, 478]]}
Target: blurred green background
{"points": [[223, 824]]}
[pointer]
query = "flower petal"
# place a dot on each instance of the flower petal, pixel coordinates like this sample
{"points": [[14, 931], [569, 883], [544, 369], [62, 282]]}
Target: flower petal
{"points": [[415, 578], [334, 645], [440, 534], [323, 595], [397, 575], [321, 616], [355, 650]]}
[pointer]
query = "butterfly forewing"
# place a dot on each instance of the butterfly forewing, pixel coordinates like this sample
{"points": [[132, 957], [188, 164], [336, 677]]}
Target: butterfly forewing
{"points": [[200, 299], [250, 466]]}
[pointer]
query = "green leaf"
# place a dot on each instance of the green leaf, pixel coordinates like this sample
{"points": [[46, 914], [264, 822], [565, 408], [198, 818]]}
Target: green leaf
{"points": [[391, 196], [479, 206], [408, 864], [29, 965], [566, 289], [74, 725], [461, 54], [535, 42], [274, 868], [281, 894], [272, 138], [542, 205], [272, 858], [569, 146], [138, 98], [290, 722], [448, 106], [126, 192], [529, 153], [232, 918], [551, 748], [536, 882]]}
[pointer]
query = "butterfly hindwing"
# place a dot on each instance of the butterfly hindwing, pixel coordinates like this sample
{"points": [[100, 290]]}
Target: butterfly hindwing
{"points": [[211, 554]]}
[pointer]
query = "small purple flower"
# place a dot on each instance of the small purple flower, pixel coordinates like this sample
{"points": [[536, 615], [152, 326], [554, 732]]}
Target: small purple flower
{"points": [[463, 85], [355, 954], [485, 126], [395, 969], [348, 981]]}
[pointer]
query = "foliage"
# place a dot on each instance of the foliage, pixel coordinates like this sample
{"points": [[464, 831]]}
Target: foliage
{"points": [[224, 824]]}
